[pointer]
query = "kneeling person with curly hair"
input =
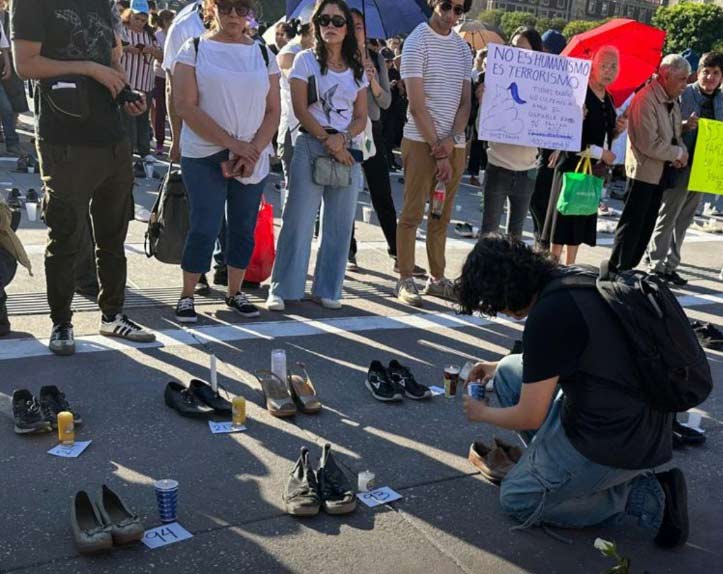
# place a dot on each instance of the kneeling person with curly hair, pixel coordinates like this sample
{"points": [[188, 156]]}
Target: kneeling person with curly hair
{"points": [[573, 397]]}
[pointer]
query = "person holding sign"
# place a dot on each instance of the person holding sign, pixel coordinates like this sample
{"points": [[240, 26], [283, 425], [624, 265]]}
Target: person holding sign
{"points": [[655, 153], [599, 128], [677, 211]]}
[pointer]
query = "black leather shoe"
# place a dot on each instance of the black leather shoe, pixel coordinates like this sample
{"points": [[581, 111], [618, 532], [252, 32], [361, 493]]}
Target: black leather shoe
{"points": [[301, 496], [337, 493], [685, 436], [204, 393], [675, 527], [185, 402], [674, 278]]}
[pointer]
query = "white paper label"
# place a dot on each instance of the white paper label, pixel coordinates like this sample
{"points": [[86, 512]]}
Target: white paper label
{"points": [[71, 450], [436, 391], [383, 495], [165, 535], [224, 427]]}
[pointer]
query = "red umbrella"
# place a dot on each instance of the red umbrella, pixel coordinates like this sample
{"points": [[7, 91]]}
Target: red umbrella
{"points": [[640, 47]]}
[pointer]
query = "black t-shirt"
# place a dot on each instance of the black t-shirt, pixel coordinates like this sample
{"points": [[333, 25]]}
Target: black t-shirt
{"points": [[72, 30], [603, 414]]}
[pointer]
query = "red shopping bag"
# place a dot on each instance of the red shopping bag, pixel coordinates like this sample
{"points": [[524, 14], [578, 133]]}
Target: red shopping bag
{"points": [[262, 259]]}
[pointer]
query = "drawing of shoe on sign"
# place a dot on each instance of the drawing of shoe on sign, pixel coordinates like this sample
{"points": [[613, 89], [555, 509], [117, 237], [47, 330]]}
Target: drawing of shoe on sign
{"points": [[503, 115]]}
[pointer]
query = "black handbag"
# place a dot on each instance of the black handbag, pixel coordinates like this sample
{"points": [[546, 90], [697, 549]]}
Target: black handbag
{"points": [[67, 96]]}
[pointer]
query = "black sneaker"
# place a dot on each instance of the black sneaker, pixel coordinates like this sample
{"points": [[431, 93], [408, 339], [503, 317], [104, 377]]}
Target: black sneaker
{"points": [[301, 496], [686, 436], [52, 402], [27, 414], [674, 278], [403, 377], [62, 341], [379, 384], [202, 288], [204, 393], [337, 493], [675, 528], [241, 304], [709, 336], [185, 402], [14, 198], [220, 277], [185, 310]]}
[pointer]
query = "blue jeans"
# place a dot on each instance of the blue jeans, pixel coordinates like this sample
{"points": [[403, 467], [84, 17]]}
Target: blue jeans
{"points": [[7, 115], [554, 484], [210, 194], [294, 246]]}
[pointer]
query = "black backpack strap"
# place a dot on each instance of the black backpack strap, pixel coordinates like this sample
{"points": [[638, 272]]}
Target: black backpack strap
{"points": [[264, 53], [196, 42]]}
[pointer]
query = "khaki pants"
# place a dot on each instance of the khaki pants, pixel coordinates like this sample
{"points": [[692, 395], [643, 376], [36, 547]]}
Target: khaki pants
{"points": [[420, 179]]}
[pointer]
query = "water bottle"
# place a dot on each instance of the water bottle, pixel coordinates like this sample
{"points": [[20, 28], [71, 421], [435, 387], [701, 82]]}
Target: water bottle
{"points": [[438, 197]]}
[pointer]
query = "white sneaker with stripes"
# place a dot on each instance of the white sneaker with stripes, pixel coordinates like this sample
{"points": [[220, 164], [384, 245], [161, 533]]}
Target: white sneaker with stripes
{"points": [[123, 328]]}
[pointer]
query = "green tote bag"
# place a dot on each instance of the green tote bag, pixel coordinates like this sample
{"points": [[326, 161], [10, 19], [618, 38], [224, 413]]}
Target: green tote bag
{"points": [[581, 191]]}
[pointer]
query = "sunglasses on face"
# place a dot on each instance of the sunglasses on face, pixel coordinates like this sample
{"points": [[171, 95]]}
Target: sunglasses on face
{"points": [[337, 21], [225, 8], [447, 6]]}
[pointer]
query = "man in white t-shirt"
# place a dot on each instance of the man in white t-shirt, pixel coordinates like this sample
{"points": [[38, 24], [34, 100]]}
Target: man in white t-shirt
{"points": [[436, 69]]}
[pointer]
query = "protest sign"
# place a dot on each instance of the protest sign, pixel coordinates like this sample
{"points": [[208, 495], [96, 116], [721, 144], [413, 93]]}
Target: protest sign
{"points": [[706, 175], [533, 99]]}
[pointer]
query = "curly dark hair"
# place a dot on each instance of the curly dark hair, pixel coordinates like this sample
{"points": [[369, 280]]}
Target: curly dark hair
{"points": [[502, 273], [349, 48]]}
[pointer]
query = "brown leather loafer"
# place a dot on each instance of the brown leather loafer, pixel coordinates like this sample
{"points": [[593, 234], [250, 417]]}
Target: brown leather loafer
{"points": [[492, 463]]}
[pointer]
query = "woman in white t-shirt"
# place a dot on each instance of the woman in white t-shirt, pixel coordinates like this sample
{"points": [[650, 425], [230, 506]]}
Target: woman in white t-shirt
{"points": [[328, 91], [289, 125], [226, 91]]}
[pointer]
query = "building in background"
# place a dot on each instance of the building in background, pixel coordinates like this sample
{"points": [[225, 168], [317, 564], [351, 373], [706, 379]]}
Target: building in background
{"points": [[641, 10]]}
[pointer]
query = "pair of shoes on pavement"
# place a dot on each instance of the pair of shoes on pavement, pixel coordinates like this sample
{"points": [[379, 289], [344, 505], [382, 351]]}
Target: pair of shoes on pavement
{"points": [[101, 524], [709, 336], [407, 291], [62, 340], [186, 307], [494, 462], [393, 383], [308, 491], [198, 400], [286, 398], [276, 303], [38, 415]]}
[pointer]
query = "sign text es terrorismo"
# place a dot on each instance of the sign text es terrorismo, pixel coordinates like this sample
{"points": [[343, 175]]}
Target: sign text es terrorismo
{"points": [[539, 66]]}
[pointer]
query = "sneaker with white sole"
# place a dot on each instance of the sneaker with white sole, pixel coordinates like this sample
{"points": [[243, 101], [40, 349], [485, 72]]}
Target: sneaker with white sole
{"points": [[407, 292], [62, 341], [186, 310], [442, 288], [122, 327], [241, 304], [334, 304], [275, 303], [380, 384]]}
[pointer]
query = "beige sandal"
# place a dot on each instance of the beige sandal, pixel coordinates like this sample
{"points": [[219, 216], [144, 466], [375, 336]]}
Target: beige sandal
{"points": [[278, 401], [303, 392]]}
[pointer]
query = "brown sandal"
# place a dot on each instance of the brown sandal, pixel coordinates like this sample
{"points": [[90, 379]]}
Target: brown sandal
{"points": [[303, 392], [278, 401]]}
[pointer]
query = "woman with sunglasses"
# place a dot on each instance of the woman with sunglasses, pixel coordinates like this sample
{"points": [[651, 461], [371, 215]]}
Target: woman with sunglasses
{"points": [[328, 91], [226, 90]]}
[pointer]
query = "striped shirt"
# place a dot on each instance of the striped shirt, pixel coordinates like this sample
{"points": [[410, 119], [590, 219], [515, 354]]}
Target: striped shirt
{"points": [[138, 67], [445, 63]]}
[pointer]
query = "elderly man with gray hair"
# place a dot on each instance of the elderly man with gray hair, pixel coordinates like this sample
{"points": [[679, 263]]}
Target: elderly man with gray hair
{"points": [[655, 152]]}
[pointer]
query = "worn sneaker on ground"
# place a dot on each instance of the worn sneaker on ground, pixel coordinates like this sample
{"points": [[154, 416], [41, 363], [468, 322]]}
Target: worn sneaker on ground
{"points": [[202, 287], [408, 293], [186, 311], [52, 402], [709, 336], [241, 304], [675, 527], [275, 303], [301, 495], [337, 493], [122, 327], [27, 413], [404, 379], [380, 385], [62, 341], [442, 288]]}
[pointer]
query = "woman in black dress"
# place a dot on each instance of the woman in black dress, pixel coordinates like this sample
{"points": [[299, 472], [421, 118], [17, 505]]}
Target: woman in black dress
{"points": [[599, 128]]}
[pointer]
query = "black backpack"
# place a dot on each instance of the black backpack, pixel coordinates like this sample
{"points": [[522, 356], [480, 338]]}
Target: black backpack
{"points": [[673, 373], [168, 224]]}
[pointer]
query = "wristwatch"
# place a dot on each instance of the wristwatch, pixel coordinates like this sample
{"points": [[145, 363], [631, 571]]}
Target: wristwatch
{"points": [[459, 139]]}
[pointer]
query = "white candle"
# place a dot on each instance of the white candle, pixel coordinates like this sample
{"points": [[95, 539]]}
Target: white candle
{"points": [[214, 380]]}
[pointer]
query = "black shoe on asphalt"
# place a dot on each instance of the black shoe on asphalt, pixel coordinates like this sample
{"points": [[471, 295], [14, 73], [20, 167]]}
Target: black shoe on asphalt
{"points": [[675, 528], [337, 493], [301, 495], [52, 402], [27, 414], [14, 198], [185, 402], [202, 288], [686, 436], [186, 311], [220, 277], [709, 336], [404, 379], [204, 393], [62, 341], [380, 385], [660, 274], [241, 304], [674, 278]]}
